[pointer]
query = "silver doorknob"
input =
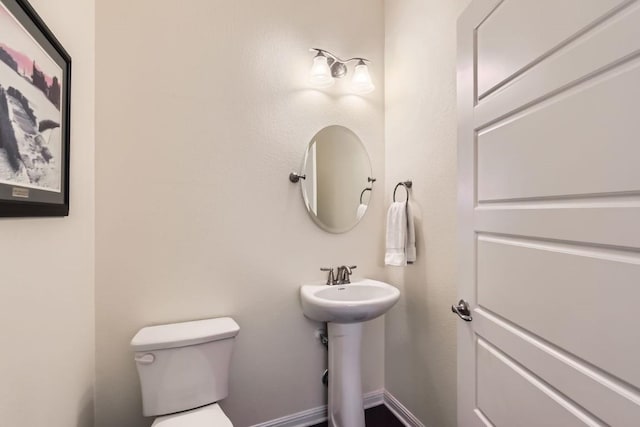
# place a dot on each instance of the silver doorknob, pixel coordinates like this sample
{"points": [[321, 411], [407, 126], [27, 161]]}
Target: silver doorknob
{"points": [[462, 310]]}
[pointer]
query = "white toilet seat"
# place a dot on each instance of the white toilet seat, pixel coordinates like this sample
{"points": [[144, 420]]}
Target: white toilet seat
{"points": [[207, 416]]}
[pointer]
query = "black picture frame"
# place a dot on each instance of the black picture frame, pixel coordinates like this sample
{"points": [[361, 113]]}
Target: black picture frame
{"points": [[35, 181]]}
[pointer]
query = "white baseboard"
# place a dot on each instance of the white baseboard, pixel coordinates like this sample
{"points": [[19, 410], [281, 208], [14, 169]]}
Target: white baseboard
{"points": [[317, 415], [299, 419], [373, 398], [400, 411]]}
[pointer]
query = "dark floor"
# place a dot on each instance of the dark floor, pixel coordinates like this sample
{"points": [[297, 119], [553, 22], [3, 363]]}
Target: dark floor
{"points": [[378, 416]]}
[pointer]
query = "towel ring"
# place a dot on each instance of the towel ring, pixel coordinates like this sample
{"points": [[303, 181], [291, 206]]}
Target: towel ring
{"points": [[363, 191], [406, 184]]}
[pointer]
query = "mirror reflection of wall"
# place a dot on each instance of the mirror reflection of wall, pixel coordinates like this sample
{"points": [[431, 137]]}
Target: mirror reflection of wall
{"points": [[311, 182], [365, 196], [337, 168]]}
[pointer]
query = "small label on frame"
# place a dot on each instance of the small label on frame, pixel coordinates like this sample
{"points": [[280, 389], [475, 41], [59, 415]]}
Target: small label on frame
{"points": [[22, 193]]}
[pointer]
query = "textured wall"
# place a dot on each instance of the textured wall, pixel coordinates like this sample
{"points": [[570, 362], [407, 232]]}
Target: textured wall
{"points": [[203, 109], [47, 285], [420, 58]]}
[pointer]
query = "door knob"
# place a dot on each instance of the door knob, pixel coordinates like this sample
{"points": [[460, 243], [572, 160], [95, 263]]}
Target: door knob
{"points": [[462, 310]]}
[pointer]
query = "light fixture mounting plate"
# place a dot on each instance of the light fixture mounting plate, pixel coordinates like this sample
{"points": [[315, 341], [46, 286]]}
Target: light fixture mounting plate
{"points": [[338, 69]]}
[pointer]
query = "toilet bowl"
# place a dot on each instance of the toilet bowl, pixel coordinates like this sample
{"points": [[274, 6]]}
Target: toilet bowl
{"points": [[184, 371]]}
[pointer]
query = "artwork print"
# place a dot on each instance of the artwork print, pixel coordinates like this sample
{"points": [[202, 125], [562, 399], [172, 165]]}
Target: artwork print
{"points": [[34, 115], [30, 110]]}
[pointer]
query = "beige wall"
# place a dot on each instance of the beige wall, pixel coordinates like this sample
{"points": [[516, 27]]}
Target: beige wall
{"points": [[420, 58], [203, 110], [47, 287]]}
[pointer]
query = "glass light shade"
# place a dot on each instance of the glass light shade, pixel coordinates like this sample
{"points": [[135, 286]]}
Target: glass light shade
{"points": [[320, 72], [361, 81]]}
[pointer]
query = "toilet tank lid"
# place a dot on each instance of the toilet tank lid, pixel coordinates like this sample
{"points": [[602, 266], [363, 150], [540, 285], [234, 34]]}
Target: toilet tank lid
{"points": [[184, 334]]}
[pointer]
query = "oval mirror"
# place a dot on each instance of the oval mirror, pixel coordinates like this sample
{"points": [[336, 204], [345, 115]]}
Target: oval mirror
{"points": [[337, 187]]}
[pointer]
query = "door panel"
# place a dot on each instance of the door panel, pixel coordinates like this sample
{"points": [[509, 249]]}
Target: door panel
{"points": [[519, 32], [583, 220], [608, 46], [608, 398], [549, 212], [519, 279], [589, 132], [509, 395]]}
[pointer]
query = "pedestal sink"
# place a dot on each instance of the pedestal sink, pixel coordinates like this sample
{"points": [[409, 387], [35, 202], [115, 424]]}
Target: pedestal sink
{"points": [[345, 307]]}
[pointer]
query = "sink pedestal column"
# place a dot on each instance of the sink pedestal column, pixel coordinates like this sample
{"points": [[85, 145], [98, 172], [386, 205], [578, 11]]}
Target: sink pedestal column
{"points": [[346, 407]]}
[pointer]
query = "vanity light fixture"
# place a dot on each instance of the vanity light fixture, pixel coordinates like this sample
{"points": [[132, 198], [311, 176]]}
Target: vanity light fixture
{"points": [[361, 82], [320, 75], [327, 67]]}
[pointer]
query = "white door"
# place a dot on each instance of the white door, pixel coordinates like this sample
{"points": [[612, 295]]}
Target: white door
{"points": [[549, 196]]}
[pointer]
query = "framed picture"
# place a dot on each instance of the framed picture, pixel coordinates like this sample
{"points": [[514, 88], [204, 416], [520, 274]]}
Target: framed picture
{"points": [[35, 88]]}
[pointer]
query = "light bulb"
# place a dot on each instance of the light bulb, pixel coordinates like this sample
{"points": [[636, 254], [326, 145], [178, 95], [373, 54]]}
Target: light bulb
{"points": [[361, 81], [320, 75]]}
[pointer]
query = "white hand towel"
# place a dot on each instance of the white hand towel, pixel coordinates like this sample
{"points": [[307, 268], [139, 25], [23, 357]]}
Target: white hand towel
{"points": [[401, 235], [362, 209], [396, 235], [411, 236]]}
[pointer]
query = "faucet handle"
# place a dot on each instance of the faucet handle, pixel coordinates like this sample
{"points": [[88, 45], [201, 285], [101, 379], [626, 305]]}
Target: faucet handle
{"points": [[331, 280]]}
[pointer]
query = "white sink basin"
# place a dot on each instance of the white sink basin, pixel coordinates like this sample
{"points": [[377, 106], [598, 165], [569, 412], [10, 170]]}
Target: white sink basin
{"points": [[361, 300]]}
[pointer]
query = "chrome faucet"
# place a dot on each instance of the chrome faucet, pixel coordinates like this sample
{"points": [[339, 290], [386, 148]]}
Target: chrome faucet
{"points": [[343, 276]]}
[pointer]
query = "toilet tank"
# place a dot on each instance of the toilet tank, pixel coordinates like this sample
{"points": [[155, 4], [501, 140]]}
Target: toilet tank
{"points": [[184, 365]]}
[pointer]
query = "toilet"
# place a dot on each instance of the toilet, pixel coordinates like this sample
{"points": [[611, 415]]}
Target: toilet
{"points": [[184, 371]]}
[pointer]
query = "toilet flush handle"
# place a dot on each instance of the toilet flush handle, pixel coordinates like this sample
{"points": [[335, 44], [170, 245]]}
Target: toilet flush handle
{"points": [[145, 359]]}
